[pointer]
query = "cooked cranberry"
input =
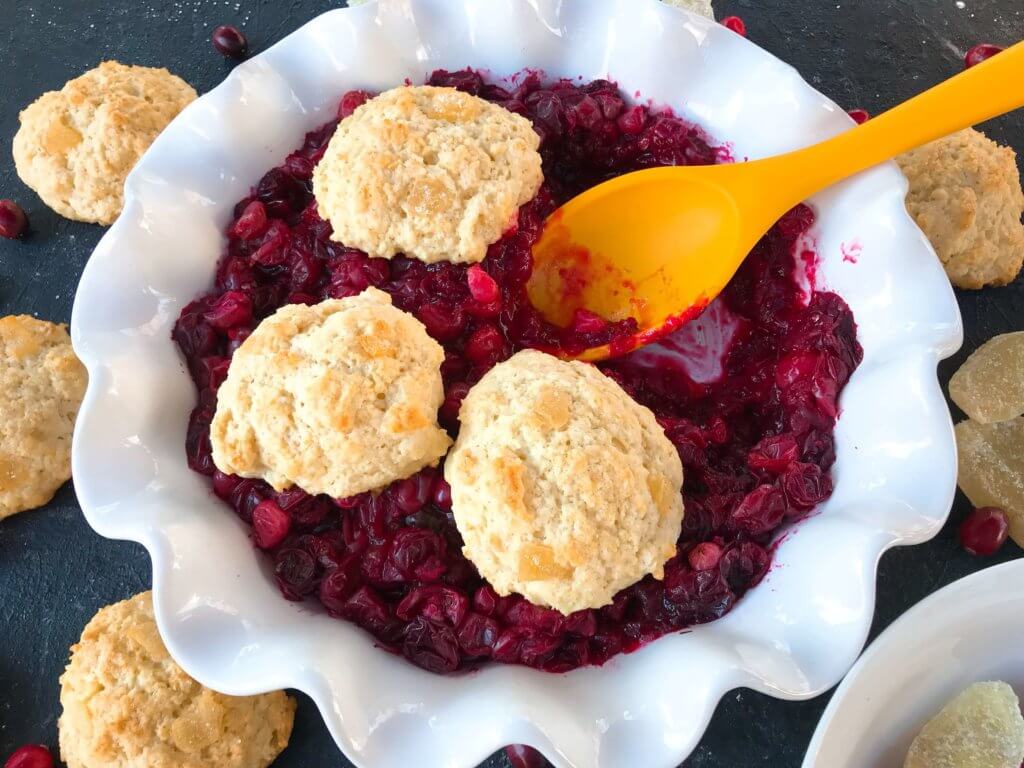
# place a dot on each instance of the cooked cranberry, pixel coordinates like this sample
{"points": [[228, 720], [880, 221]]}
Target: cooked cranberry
{"points": [[232, 309], [30, 756], [431, 645], [774, 454], [806, 485], [485, 345], [273, 250], [224, 485], [705, 556], [13, 221], [295, 572], [632, 121], [443, 321], [352, 101], [339, 584], [860, 116], [980, 53], [744, 565], [442, 494], [522, 756], [252, 223], [282, 193], [760, 511], [453, 398], [229, 41], [270, 524], [478, 634], [983, 532]]}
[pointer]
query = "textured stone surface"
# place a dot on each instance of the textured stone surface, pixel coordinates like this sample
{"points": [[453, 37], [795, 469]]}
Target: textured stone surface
{"points": [[55, 572]]}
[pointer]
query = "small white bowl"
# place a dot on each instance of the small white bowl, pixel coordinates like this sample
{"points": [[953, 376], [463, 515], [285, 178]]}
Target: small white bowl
{"points": [[966, 633], [221, 616]]}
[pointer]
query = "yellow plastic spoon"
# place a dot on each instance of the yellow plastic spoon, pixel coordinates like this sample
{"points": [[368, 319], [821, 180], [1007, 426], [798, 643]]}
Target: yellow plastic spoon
{"points": [[658, 245]]}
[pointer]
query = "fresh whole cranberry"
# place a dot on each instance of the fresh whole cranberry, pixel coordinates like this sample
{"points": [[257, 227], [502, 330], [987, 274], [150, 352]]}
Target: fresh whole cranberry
{"points": [[860, 116], [736, 24], [230, 42], [522, 756], [13, 221], [980, 53], [983, 532], [30, 756]]}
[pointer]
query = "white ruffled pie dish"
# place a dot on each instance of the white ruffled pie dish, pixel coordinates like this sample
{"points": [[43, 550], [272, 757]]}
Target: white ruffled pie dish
{"points": [[220, 613]]}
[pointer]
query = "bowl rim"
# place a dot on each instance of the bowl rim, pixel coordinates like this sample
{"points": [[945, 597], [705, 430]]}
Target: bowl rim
{"points": [[106, 334], [926, 633]]}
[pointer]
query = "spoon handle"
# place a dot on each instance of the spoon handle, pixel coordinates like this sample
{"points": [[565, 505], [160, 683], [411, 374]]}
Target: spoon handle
{"points": [[991, 88]]}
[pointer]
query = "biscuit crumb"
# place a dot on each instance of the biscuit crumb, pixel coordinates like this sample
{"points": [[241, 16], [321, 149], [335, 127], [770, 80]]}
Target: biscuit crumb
{"points": [[965, 193], [432, 173], [576, 480], [127, 704], [76, 146], [337, 398], [42, 384]]}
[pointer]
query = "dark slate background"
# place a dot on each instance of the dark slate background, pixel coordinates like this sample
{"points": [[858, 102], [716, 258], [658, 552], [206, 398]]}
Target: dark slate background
{"points": [[55, 572]]}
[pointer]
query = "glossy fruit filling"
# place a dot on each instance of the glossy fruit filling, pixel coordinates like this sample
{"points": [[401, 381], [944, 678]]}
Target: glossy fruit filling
{"points": [[748, 393]]}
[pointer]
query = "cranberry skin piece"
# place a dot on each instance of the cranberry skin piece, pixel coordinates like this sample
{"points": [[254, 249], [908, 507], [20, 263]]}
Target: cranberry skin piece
{"points": [[352, 101], [230, 42], [482, 286], [30, 756], [983, 532], [736, 24], [13, 221], [522, 756], [980, 53], [270, 524], [860, 116]]}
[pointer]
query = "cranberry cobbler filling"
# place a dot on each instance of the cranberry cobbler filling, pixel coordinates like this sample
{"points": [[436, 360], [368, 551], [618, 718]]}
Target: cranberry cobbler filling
{"points": [[754, 428]]}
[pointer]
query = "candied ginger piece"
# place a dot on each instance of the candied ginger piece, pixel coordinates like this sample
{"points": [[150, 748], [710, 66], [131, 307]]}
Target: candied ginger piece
{"points": [[989, 387], [991, 470], [980, 728]]}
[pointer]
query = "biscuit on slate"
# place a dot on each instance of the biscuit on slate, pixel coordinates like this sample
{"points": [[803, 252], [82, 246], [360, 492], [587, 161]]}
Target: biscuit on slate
{"points": [[128, 705], [965, 193], [42, 384], [700, 7], [77, 145], [565, 489], [337, 398], [433, 173]]}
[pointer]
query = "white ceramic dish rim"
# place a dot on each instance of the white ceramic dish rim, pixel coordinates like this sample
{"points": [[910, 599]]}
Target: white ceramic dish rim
{"points": [[963, 634], [793, 637]]}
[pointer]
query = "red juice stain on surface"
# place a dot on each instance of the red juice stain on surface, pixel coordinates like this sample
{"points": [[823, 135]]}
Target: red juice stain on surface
{"points": [[851, 252]]}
